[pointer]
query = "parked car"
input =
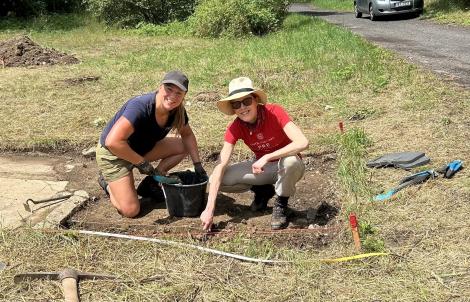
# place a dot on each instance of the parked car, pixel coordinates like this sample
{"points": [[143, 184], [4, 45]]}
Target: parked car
{"points": [[377, 8]]}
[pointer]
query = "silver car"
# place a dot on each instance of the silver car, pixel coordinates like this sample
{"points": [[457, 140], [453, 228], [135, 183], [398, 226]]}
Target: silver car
{"points": [[377, 8]]}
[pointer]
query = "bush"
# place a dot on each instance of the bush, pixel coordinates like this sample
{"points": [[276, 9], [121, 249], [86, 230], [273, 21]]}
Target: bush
{"points": [[28, 8], [129, 13], [237, 18]]}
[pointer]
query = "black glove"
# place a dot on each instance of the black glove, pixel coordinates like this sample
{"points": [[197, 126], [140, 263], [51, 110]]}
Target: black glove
{"points": [[201, 174], [146, 168]]}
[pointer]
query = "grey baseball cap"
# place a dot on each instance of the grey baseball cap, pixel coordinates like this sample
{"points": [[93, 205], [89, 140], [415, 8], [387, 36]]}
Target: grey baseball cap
{"points": [[177, 78]]}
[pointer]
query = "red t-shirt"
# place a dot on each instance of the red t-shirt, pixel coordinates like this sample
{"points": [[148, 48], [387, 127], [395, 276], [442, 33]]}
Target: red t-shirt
{"points": [[266, 136]]}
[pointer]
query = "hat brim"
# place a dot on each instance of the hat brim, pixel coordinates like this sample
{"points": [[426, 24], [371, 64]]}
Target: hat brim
{"points": [[224, 104], [176, 83]]}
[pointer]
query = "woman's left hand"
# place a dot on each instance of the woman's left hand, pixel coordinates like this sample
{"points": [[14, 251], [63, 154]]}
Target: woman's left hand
{"points": [[257, 167]]}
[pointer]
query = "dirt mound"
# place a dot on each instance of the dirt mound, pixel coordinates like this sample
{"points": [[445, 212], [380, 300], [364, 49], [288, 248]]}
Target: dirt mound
{"points": [[22, 51]]}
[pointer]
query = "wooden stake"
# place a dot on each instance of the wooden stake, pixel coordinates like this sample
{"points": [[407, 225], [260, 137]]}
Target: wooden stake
{"points": [[355, 232]]}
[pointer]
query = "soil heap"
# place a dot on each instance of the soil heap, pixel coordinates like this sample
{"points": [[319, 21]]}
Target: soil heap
{"points": [[22, 51]]}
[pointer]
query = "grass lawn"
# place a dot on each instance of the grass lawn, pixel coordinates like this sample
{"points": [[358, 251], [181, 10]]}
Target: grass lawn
{"points": [[322, 74]]}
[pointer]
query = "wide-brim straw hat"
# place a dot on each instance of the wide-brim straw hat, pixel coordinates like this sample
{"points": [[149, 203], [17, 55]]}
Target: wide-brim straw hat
{"points": [[238, 88]]}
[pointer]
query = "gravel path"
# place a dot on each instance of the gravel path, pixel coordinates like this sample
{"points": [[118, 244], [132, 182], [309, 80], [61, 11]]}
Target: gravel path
{"points": [[443, 49]]}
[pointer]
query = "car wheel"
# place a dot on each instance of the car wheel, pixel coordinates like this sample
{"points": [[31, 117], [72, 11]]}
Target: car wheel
{"points": [[357, 13], [371, 13]]}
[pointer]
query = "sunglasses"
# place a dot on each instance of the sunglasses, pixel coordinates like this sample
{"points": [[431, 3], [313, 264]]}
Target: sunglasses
{"points": [[246, 101]]}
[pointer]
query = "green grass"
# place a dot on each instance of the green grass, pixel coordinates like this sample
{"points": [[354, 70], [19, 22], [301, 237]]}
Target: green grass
{"points": [[322, 74], [338, 5], [448, 11], [352, 173]]}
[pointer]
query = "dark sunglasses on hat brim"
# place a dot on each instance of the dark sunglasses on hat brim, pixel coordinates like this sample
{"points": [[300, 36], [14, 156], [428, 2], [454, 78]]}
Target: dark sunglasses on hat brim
{"points": [[246, 101]]}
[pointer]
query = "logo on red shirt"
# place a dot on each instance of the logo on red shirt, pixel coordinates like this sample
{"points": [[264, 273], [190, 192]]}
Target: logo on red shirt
{"points": [[260, 136]]}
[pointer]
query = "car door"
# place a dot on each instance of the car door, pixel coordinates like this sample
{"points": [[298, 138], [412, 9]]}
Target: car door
{"points": [[362, 5]]}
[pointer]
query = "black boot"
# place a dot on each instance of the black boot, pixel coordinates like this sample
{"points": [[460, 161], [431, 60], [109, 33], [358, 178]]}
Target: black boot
{"points": [[103, 184], [279, 216], [263, 193]]}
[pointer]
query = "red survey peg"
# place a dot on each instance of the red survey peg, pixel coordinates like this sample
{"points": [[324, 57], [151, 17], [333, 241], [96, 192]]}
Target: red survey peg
{"points": [[354, 229], [341, 126]]}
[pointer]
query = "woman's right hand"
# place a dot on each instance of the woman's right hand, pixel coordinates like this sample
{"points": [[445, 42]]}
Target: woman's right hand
{"points": [[206, 218]]}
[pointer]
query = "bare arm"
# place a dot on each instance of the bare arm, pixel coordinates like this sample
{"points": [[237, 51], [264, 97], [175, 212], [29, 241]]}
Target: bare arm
{"points": [[190, 143], [116, 141], [298, 143], [215, 181]]}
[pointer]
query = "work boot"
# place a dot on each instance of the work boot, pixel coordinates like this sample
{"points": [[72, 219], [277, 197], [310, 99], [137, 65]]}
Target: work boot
{"points": [[103, 184], [263, 193], [279, 216], [149, 187]]}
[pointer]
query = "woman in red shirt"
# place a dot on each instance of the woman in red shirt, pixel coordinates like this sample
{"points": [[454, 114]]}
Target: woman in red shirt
{"points": [[275, 141]]}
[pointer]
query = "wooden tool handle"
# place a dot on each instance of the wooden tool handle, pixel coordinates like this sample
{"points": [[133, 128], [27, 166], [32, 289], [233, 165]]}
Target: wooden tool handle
{"points": [[69, 281], [70, 290]]}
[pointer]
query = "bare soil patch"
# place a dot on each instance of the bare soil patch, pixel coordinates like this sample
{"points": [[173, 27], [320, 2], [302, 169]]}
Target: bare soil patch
{"points": [[22, 51], [313, 210], [80, 80]]}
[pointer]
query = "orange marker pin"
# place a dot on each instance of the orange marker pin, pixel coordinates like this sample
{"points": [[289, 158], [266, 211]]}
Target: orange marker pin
{"points": [[355, 232], [341, 126]]}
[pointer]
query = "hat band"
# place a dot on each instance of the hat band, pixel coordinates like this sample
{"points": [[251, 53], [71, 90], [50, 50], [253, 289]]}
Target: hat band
{"points": [[240, 90]]}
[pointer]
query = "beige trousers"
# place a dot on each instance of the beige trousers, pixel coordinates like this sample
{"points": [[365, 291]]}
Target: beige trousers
{"points": [[284, 174]]}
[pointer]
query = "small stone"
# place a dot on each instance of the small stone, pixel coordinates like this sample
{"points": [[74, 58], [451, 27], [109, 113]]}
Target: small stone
{"points": [[328, 107], [69, 168], [99, 122], [313, 226], [90, 152]]}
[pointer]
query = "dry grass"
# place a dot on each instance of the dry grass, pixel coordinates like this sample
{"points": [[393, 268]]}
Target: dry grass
{"points": [[422, 268]]}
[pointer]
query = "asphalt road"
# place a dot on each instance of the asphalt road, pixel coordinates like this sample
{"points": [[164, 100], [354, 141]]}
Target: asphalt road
{"points": [[443, 49]]}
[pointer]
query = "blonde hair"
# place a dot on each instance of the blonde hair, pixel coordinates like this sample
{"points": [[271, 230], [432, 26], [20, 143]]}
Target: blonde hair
{"points": [[178, 122]]}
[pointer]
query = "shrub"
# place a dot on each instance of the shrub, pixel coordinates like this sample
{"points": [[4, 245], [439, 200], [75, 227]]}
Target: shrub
{"points": [[28, 8], [129, 13], [237, 18]]}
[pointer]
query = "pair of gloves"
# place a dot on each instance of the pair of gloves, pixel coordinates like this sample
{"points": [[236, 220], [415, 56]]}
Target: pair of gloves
{"points": [[146, 168]]}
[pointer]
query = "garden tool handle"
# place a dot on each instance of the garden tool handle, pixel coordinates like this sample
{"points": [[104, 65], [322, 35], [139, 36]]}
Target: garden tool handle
{"points": [[70, 287], [69, 280]]}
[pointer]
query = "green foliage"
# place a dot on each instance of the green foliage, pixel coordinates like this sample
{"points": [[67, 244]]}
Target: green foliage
{"points": [[344, 73], [237, 18], [370, 240], [28, 8], [176, 28], [48, 23], [129, 13], [366, 229], [448, 11], [371, 244], [448, 5]]}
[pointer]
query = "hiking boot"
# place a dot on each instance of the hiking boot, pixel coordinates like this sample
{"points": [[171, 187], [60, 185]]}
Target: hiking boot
{"points": [[149, 187], [263, 193], [103, 184], [279, 216]]}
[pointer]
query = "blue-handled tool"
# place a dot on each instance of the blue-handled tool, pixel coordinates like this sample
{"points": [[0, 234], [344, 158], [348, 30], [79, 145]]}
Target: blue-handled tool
{"points": [[417, 178], [451, 168], [166, 180]]}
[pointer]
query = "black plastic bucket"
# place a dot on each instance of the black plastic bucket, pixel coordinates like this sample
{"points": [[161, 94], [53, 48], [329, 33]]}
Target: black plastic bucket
{"points": [[187, 199]]}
